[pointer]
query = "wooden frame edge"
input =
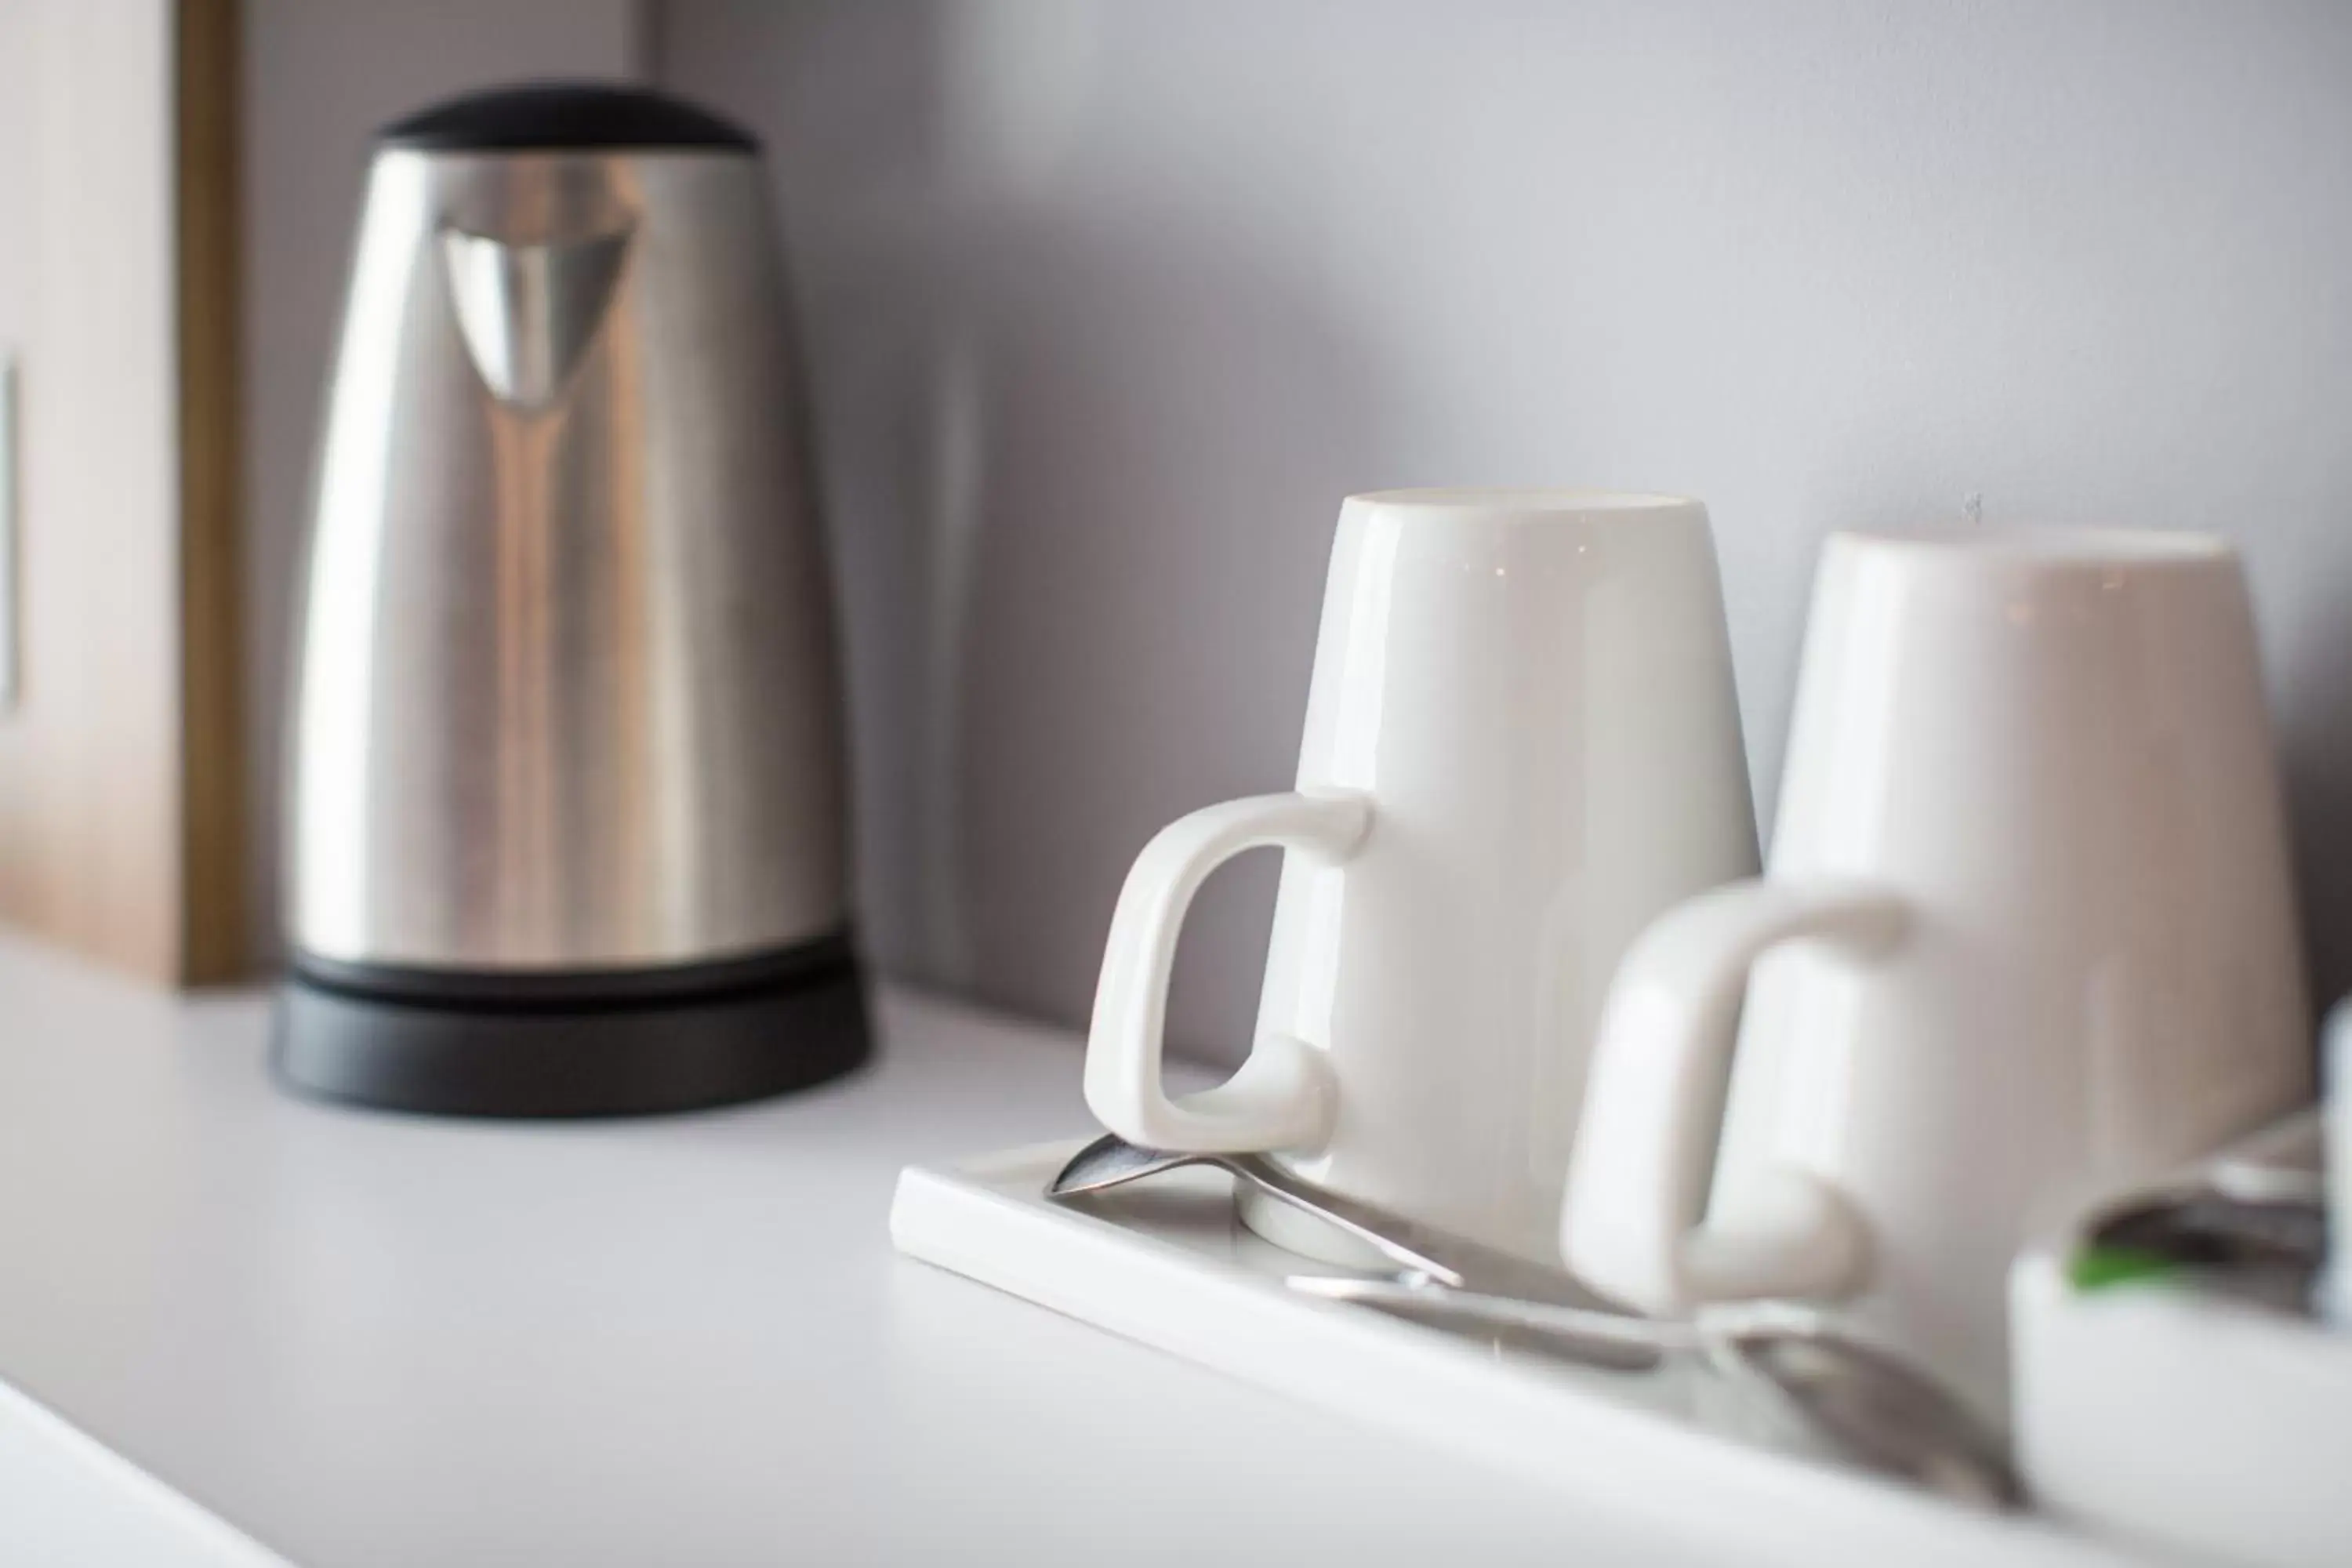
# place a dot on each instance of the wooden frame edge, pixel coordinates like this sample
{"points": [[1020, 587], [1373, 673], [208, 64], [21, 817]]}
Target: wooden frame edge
{"points": [[214, 943]]}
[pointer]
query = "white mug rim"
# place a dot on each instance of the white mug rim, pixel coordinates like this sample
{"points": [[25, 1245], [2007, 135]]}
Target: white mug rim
{"points": [[2053, 548], [1565, 501]]}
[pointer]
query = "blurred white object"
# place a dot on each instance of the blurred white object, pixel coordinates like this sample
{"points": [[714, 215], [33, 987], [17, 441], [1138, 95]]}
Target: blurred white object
{"points": [[2182, 1418]]}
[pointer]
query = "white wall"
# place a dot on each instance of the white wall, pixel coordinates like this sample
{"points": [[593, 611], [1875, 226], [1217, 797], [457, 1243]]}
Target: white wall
{"points": [[1109, 304]]}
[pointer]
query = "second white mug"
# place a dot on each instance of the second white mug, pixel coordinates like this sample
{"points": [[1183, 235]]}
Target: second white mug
{"points": [[1521, 744], [2028, 934]]}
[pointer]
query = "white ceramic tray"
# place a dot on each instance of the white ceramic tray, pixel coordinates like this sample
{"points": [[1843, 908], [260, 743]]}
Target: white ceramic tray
{"points": [[1165, 1263]]}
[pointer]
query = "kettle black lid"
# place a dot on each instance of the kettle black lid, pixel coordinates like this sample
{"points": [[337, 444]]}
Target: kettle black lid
{"points": [[564, 116]]}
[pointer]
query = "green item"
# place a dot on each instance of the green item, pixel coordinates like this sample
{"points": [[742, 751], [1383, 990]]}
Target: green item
{"points": [[2096, 1267]]}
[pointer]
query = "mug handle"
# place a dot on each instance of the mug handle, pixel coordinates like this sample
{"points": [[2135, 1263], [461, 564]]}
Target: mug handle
{"points": [[1630, 1222], [1283, 1096]]}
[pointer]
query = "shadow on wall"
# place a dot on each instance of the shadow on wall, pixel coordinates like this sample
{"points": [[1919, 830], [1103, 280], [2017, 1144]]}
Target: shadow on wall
{"points": [[1036, 482], [1147, 555]]}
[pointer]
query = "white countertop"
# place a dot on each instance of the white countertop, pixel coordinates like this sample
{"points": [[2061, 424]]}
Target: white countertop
{"points": [[363, 1338]]}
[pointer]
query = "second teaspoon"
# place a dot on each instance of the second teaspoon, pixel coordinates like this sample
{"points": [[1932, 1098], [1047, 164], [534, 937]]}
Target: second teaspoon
{"points": [[1871, 1405]]}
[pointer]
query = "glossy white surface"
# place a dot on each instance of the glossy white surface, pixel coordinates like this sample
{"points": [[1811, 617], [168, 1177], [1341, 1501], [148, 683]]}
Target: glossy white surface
{"points": [[1521, 744], [1647, 1457], [378, 1342], [2183, 1421], [2031, 879]]}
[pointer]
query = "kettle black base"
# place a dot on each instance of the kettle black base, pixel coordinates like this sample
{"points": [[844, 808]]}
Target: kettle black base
{"points": [[615, 1042]]}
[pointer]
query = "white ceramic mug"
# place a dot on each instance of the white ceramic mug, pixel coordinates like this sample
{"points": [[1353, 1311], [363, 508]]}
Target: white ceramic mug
{"points": [[1521, 744], [2028, 934]]}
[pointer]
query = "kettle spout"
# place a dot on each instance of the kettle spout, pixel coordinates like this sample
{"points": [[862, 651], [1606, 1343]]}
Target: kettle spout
{"points": [[528, 312]]}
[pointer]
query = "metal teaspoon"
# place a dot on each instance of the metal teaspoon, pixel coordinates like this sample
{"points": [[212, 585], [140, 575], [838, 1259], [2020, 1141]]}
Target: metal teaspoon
{"points": [[1416, 1250], [1871, 1405]]}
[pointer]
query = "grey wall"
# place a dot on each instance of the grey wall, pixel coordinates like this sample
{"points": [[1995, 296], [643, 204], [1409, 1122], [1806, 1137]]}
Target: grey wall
{"points": [[1111, 303]]}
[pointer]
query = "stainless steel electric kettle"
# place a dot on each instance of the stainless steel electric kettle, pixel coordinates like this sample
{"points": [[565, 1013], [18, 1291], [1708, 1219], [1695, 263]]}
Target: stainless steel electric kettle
{"points": [[565, 828]]}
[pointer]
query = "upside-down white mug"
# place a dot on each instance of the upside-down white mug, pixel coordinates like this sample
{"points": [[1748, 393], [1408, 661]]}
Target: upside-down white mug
{"points": [[2028, 933], [1521, 744]]}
